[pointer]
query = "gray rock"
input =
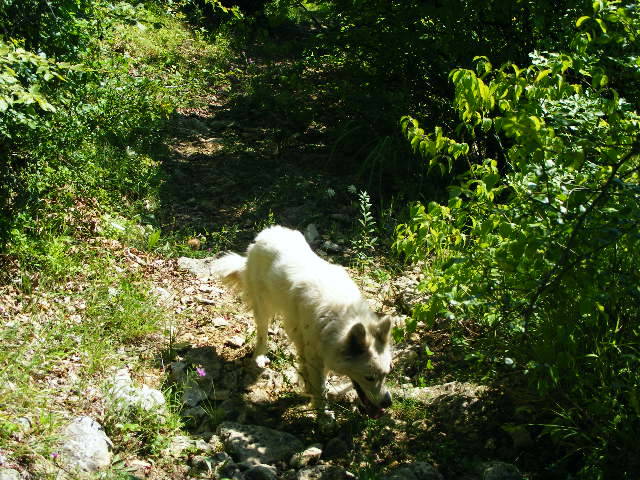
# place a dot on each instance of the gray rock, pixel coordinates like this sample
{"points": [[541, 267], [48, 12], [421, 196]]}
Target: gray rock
{"points": [[9, 474], [257, 395], [414, 471], [23, 426], [193, 124], [231, 471], [330, 246], [405, 357], [164, 295], [212, 465], [220, 124], [219, 395], [261, 472], [178, 372], [195, 415], [231, 379], [290, 376], [254, 444], [520, 436], [216, 443], [324, 472], [311, 234], [308, 457], [138, 468], [335, 448], [123, 394], [85, 446], [204, 358], [178, 444], [202, 445], [234, 408], [427, 395], [200, 267], [289, 474], [23, 423], [500, 471], [192, 394]]}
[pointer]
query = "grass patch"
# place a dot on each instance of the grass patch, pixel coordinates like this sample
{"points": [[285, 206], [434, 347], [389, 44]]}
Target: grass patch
{"points": [[81, 316], [159, 46]]}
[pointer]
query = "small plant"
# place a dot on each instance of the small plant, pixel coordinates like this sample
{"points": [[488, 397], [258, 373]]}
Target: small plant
{"points": [[225, 238], [125, 312], [266, 222], [365, 242], [153, 239], [136, 429]]}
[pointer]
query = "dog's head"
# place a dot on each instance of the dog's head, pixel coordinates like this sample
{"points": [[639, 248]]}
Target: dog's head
{"points": [[367, 361]]}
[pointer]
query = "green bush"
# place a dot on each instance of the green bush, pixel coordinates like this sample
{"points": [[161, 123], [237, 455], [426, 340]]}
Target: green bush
{"points": [[540, 247], [74, 137], [60, 29], [400, 53]]}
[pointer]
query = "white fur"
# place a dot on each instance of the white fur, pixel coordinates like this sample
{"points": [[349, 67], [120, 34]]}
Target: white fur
{"points": [[321, 308]]}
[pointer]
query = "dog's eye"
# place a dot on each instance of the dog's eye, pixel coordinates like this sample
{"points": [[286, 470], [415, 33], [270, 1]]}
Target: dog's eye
{"points": [[369, 379]]}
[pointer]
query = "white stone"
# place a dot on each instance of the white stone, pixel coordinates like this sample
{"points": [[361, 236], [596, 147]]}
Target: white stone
{"points": [[236, 341], [9, 474], [200, 267], [123, 394], [85, 446], [220, 322], [308, 457]]}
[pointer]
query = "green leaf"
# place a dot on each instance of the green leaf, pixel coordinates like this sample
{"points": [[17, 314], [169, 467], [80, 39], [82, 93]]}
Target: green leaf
{"points": [[582, 19], [542, 75]]}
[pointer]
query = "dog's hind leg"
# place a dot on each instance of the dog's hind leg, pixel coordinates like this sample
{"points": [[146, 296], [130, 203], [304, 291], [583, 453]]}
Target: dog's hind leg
{"points": [[262, 315]]}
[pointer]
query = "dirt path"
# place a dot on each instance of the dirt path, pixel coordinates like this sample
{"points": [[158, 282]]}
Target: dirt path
{"points": [[227, 177]]}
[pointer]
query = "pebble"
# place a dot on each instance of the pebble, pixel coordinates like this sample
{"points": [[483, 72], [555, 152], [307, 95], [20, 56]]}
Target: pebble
{"points": [[236, 341], [220, 322]]}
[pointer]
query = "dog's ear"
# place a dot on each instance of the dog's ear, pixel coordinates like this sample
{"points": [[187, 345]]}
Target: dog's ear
{"points": [[356, 340], [383, 328]]}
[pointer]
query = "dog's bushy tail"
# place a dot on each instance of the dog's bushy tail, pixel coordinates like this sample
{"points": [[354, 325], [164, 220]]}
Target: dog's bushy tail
{"points": [[230, 269]]}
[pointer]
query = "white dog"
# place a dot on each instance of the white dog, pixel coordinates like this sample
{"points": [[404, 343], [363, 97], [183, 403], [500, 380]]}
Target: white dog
{"points": [[324, 314]]}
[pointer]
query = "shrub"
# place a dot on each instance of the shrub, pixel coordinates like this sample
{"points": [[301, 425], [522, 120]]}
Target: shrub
{"points": [[539, 247]]}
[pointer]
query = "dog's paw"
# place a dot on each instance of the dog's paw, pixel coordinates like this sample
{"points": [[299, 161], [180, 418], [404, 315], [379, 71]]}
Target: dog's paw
{"points": [[262, 361]]}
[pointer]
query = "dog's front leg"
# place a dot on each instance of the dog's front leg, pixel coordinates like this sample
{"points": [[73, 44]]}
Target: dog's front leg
{"points": [[315, 382], [314, 375]]}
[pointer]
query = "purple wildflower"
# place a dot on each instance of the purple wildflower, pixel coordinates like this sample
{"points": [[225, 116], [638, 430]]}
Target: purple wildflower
{"points": [[201, 371]]}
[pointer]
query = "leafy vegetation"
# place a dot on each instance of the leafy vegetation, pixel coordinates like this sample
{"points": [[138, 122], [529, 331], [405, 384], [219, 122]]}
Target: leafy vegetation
{"points": [[498, 141], [538, 246], [78, 128]]}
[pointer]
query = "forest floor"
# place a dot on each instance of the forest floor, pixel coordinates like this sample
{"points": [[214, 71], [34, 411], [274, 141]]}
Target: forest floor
{"points": [[230, 169]]}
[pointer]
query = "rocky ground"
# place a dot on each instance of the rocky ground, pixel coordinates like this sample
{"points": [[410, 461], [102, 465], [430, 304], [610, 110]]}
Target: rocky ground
{"points": [[241, 422]]}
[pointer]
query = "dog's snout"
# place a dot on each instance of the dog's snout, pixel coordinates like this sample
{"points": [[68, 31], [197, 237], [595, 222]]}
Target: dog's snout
{"points": [[386, 400]]}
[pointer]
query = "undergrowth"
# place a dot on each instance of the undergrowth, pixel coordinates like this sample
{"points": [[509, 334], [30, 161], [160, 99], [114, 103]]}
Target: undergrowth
{"points": [[78, 165]]}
